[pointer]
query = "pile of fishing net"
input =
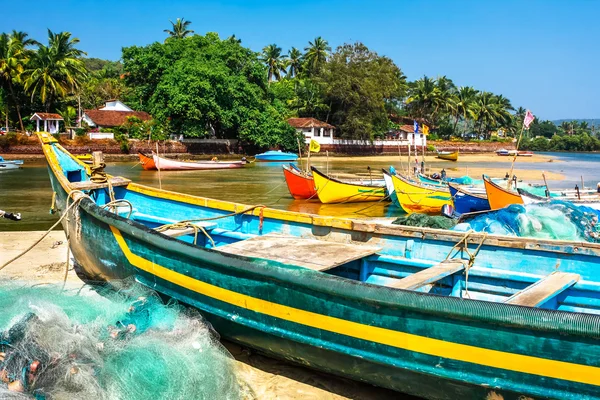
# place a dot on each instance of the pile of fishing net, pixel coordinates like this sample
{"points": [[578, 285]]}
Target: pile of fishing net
{"points": [[117, 345], [554, 220], [425, 221]]}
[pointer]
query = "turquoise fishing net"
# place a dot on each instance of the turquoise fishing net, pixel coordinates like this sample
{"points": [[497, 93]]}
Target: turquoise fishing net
{"points": [[123, 344], [555, 220]]}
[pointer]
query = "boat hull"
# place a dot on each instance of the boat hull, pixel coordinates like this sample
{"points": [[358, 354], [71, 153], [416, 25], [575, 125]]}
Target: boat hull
{"points": [[275, 156], [147, 162], [164, 164], [499, 197], [389, 186], [332, 190], [465, 202], [301, 186], [419, 198], [450, 156]]}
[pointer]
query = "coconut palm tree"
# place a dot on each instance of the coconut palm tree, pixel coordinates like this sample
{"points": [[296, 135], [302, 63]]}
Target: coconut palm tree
{"points": [[55, 70], [294, 62], [446, 99], [180, 29], [275, 61], [464, 105], [14, 54], [316, 54], [423, 98]]}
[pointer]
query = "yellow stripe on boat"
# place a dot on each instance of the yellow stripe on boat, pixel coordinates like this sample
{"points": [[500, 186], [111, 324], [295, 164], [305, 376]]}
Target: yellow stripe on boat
{"points": [[331, 190], [418, 198], [435, 347]]}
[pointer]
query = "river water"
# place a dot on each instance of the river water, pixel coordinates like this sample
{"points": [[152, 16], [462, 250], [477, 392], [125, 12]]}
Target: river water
{"points": [[28, 191]]}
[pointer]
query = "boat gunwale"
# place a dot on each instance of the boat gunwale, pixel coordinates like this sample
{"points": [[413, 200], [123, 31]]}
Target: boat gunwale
{"points": [[458, 188], [293, 171], [422, 185], [314, 169]]}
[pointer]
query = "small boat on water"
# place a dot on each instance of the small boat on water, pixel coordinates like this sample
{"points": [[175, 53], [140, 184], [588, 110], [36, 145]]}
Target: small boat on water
{"points": [[448, 155], [147, 162], [466, 201], [10, 164], [415, 197], [502, 152], [165, 164], [331, 190], [525, 154], [401, 307], [300, 184], [498, 196], [276, 156]]}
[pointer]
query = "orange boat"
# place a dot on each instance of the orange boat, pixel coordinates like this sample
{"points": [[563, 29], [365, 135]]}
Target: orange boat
{"points": [[498, 196], [300, 184], [147, 162]]}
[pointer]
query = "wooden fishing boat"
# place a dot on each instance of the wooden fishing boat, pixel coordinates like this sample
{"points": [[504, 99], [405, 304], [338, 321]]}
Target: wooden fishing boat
{"points": [[415, 197], [430, 181], [389, 187], [498, 196], [147, 162], [389, 305], [331, 190], [525, 153], [591, 201], [10, 164], [448, 155], [300, 184], [502, 152], [276, 156], [165, 164], [466, 201]]}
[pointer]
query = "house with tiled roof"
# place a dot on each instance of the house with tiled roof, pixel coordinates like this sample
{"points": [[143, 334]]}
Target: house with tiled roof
{"points": [[312, 128], [113, 114], [51, 121]]}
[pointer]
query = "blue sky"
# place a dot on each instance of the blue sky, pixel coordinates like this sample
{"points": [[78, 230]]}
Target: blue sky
{"points": [[543, 55]]}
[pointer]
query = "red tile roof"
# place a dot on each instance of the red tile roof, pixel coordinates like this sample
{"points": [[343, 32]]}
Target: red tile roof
{"points": [[409, 128], [112, 118], [47, 116], [308, 123]]}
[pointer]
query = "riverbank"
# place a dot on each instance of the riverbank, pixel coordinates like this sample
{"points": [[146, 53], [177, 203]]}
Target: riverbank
{"points": [[267, 378]]}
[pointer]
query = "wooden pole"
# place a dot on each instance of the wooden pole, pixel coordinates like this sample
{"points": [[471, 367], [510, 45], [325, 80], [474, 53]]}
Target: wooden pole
{"points": [[423, 146], [512, 166], [158, 167], [299, 153], [546, 183], [327, 153], [408, 163]]}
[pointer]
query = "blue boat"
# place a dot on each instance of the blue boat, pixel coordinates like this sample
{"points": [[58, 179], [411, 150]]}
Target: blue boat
{"points": [[276, 156], [467, 202], [10, 164], [434, 313]]}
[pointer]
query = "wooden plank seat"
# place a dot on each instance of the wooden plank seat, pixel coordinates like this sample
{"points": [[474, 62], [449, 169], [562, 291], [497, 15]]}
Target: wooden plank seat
{"points": [[541, 291], [89, 185], [429, 275], [313, 254]]}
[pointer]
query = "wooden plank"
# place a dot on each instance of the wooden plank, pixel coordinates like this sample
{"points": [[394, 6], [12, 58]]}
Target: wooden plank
{"points": [[544, 289], [89, 185], [429, 275], [314, 254]]}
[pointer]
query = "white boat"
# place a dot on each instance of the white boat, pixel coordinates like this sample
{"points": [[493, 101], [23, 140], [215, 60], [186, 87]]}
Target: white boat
{"points": [[10, 164], [164, 164]]}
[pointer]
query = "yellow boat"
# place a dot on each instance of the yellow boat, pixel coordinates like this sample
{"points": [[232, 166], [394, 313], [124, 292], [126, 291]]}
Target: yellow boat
{"points": [[415, 197], [331, 190], [498, 196], [448, 155]]}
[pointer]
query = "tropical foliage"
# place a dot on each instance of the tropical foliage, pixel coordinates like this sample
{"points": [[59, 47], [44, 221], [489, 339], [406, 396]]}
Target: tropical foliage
{"points": [[179, 30]]}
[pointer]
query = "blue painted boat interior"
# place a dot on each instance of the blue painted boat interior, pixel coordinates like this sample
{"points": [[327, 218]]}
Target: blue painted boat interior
{"points": [[497, 274]]}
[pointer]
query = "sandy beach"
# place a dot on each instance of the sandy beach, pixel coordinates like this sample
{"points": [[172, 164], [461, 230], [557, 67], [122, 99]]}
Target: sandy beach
{"points": [[266, 378]]}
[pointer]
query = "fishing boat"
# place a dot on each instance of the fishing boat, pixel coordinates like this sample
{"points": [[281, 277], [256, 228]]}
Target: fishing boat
{"points": [[498, 196], [466, 201], [502, 152], [10, 164], [332, 190], [430, 181], [147, 162], [389, 305], [591, 201], [525, 153], [300, 184], [389, 187], [448, 155], [86, 158], [165, 164], [415, 197], [276, 156]]}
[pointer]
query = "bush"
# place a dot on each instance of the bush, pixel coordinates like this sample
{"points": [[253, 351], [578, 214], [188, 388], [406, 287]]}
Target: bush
{"points": [[4, 142], [81, 132]]}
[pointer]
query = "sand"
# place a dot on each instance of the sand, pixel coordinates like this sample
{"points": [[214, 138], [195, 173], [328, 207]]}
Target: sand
{"points": [[267, 378]]}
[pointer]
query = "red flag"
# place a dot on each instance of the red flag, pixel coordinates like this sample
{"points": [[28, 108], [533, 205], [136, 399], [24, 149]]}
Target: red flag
{"points": [[529, 117]]}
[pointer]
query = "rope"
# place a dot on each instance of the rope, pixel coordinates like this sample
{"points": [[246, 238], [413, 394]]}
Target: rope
{"points": [[472, 256], [97, 174], [185, 225], [112, 204]]}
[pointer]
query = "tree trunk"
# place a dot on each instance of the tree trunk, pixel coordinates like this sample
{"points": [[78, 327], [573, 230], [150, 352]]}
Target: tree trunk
{"points": [[12, 93]]}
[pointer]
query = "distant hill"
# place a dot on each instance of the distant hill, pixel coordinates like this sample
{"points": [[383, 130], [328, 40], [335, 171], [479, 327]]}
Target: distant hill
{"points": [[590, 121]]}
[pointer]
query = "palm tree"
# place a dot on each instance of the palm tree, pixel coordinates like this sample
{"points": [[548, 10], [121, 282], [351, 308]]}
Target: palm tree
{"points": [[180, 29], [445, 101], [316, 54], [294, 62], [55, 70], [492, 112], [423, 98], [275, 62], [464, 105], [13, 57]]}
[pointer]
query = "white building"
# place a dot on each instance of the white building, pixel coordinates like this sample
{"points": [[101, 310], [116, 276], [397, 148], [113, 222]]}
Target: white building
{"points": [[312, 128], [113, 114], [51, 122]]}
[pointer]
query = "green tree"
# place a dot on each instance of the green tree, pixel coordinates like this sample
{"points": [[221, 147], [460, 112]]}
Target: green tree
{"points": [[423, 98], [55, 70], [464, 105], [69, 115], [179, 29], [274, 61], [294, 62], [316, 54]]}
